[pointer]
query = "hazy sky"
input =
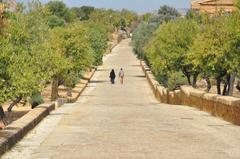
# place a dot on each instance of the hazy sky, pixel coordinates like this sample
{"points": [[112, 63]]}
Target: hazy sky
{"points": [[135, 5]]}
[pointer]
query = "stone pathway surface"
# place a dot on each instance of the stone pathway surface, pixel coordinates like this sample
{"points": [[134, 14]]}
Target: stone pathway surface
{"points": [[126, 122]]}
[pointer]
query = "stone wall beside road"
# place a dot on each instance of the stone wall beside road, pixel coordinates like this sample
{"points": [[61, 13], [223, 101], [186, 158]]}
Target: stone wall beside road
{"points": [[225, 107]]}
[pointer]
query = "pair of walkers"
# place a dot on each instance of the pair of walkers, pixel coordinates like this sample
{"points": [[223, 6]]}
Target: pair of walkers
{"points": [[120, 75]]}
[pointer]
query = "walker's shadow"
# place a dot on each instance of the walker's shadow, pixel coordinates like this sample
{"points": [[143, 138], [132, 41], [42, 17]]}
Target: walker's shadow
{"points": [[139, 76]]}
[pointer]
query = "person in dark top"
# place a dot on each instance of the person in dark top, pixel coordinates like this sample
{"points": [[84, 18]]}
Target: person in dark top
{"points": [[112, 76]]}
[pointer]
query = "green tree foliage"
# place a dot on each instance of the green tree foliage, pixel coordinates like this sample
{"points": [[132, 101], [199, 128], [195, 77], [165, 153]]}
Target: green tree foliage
{"points": [[145, 30], [98, 38], [72, 43], [167, 51], [146, 17], [59, 9], [201, 18], [83, 12], [109, 18], [128, 17], [114, 20], [192, 46], [215, 52], [55, 21], [44, 43], [165, 14], [175, 80], [237, 4], [28, 64], [81, 45], [141, 36]]}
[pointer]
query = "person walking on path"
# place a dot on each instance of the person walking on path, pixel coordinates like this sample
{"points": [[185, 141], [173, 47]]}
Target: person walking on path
{"points": [[112, 76], [121, 75]]}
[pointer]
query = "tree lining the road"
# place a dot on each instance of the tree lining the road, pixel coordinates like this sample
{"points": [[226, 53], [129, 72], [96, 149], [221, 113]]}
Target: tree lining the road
{"points": [[149, 25], [49, 43], [194, 47], [167, 51]]}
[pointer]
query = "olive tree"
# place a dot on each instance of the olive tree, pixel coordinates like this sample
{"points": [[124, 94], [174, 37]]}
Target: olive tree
{"points": [[167, 52], [215, 52]]}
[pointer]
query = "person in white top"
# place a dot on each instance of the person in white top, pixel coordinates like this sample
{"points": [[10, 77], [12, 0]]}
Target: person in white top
{"points": [[121, 75]]}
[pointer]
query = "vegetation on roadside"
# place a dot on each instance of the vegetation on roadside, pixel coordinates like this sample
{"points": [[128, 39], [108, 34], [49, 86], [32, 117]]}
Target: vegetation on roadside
{"points": [[194, 47], [51, 43], [144, 32]]}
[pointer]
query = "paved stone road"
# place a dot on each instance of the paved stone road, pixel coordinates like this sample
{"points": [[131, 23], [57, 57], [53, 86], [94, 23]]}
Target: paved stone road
{"points": [[126, 122]]}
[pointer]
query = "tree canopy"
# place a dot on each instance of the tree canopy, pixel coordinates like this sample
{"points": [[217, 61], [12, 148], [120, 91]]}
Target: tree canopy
{"points": [[167, 51], [83, 12], [51, 43], [196, 46], [150, 24]]}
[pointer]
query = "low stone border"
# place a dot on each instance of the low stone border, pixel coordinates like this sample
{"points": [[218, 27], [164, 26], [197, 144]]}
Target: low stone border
{"points": [[225, 107], [14, 132], [80, 87], [114, 46]]}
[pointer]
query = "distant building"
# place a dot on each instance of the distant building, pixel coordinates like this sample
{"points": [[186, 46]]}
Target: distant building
{"points": [[213, 6]]}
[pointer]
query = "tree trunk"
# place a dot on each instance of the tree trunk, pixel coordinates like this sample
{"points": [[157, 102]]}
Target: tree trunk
{"points": [[226, 84], [14, 103], [194, 83], [231, 84], [219, 86], [238, 85], [69, 92], [54, 93], [24, 102], [188, 76], [224, 93], [189, 79], [2, 114], [209, 86]]}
